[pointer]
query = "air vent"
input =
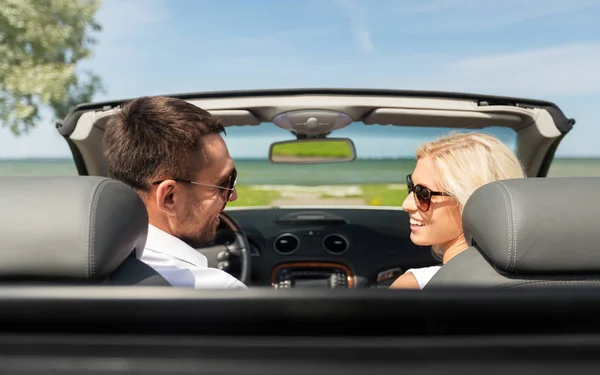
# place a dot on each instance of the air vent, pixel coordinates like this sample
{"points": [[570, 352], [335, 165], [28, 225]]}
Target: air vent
{"points": [[286, 243], [335, 243]]}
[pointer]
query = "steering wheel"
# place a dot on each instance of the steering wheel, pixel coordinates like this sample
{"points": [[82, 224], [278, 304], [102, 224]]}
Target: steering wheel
{"points": [[219, 255]]}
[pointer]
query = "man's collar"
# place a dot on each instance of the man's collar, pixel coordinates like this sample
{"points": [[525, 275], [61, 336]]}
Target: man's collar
{"points": [[163, 242]]}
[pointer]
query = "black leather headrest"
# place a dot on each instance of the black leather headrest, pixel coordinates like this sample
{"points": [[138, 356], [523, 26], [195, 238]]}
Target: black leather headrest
{"points": [[537, 225], [78, 227]]}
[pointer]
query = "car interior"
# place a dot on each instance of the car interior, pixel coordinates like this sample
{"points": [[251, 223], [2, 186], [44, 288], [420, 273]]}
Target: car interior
{"points": [[333, 247], [521, 298]]}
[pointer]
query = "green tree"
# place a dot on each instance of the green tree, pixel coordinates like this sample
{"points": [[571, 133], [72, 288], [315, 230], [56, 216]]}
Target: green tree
{"points": [[41, 43]]}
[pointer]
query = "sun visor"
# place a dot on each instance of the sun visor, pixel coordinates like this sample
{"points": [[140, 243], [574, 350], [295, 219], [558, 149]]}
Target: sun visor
{"points": [[445, 118], [228, 117], [231, 117]]}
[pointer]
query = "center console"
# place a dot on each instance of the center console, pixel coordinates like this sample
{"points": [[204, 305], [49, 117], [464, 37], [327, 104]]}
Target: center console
{"points": [[312, 275]]}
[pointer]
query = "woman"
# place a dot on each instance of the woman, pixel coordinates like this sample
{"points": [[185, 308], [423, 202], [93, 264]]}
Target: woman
{"points": [[448, 171]]}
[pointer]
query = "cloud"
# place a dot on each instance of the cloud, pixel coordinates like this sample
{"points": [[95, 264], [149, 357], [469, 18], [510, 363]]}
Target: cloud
{"points": [[555, 71], [252, 43], [352, 10], [435, 6], [272, 40], [127, 18], [569, 69], [130, 30], [469, 15]]}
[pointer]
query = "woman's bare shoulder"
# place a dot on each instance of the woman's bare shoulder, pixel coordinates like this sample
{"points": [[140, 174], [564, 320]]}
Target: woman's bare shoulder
{"points": [[405, 281]]}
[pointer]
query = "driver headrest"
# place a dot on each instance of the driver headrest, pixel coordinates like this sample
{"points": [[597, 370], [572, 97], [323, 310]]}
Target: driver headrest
{"points": [[68, 227], [537, 225]]}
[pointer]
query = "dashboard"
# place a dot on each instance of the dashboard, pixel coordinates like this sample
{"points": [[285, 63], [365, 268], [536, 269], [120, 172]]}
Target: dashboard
{"points": [[329, 248]]}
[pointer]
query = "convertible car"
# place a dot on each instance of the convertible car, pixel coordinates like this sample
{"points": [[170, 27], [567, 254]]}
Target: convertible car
{"points": [[323, 139], [318, 234]]}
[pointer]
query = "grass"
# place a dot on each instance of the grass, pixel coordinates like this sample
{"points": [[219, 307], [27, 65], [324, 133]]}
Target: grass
{"points": [[247, 196], [316, 149], [373, 194], [383, 195]]}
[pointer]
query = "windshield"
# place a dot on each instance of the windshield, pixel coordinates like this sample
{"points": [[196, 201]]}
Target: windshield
{"points": [[385, 155]]}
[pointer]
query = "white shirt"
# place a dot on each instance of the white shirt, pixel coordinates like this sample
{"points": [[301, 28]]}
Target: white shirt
{"points": [[424, 274], [182, 265]]}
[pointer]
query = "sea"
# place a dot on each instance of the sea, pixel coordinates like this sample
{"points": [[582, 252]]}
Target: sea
{"points": [[262, 172]]}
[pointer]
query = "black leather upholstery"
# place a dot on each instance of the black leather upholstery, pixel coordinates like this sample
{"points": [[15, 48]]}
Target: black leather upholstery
{"points": [[79, 229]]}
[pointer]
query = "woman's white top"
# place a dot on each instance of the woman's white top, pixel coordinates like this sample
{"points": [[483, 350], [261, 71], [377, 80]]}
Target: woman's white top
{"points": [[424, 274]]}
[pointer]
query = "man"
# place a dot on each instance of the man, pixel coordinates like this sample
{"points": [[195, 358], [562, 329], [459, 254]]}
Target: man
{"points": [[172, 154]]}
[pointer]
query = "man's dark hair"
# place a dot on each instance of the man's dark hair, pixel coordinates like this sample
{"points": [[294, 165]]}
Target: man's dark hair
{"points": [[153, 138]]}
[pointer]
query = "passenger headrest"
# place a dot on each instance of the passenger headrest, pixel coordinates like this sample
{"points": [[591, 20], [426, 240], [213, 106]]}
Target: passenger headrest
{"points": [[77, 227], [537, 225]]}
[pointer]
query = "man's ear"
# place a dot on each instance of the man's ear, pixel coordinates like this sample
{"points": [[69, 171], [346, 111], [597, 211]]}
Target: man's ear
{"points": [[167, 194]]}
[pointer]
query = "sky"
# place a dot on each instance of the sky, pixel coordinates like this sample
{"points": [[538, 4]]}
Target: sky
{"points": [[541, 49]]}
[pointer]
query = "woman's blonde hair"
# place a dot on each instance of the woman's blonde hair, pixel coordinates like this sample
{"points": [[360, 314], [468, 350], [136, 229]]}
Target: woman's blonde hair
{"points": [[463, 162]]}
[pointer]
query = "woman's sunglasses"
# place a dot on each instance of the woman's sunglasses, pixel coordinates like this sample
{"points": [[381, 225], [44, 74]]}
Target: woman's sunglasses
{"points": [[229, 186], [422, 194]]}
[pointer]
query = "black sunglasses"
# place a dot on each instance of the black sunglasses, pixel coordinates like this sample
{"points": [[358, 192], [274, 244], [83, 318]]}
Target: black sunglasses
{"points": [[422, 194], [230, 188]]}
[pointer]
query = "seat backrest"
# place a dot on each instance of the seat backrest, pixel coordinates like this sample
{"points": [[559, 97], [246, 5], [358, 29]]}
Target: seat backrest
{"points": [[80, 229], [529, 232]]}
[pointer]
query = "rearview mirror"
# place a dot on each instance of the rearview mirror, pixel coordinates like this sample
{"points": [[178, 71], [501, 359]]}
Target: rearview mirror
{"points": [[312, 151]]}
